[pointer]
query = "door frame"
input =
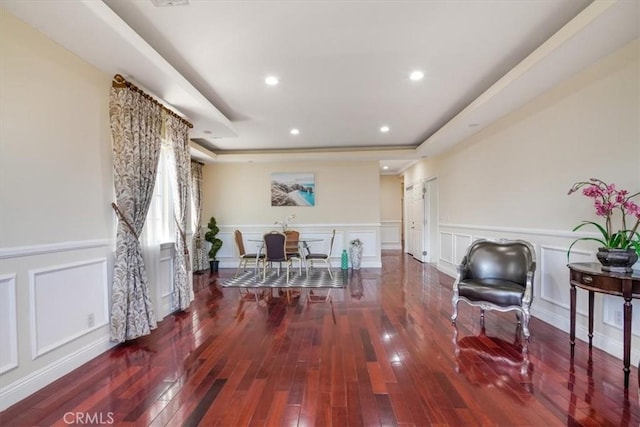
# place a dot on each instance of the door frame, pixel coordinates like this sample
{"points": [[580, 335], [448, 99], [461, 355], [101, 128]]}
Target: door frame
{"points": [[430, 214]]}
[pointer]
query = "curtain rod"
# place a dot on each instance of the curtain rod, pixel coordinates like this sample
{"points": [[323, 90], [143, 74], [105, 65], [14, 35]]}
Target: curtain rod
{"points": [[119, 81]]}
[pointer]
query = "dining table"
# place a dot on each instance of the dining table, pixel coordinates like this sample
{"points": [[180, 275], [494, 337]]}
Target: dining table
{"points": [[303, 247]]}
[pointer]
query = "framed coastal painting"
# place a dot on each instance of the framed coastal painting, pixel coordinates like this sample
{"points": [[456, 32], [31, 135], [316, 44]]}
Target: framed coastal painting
{"points": [[293, 189]]}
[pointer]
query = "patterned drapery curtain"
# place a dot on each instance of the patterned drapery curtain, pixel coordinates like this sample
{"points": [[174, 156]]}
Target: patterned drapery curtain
{"points": [[178, 133], [136, 127], [199, 253]]}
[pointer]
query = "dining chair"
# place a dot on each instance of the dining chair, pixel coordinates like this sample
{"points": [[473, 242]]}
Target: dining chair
{"points": [[245, 257], [275, 251], [293, 248], [325, 258], [275, 247]]}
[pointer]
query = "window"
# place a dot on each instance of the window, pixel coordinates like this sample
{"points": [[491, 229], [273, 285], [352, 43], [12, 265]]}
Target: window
{"points": [[160, 223]]}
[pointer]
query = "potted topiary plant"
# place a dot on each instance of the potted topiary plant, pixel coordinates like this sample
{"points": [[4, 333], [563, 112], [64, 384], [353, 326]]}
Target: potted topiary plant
{"points": [[216, 244]]}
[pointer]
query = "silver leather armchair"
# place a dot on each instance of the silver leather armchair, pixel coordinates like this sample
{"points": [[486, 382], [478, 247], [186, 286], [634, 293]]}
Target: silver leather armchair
{"points": [[497, 275]]}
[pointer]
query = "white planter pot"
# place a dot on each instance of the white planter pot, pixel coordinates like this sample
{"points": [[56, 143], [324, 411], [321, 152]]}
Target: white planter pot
{"points": [[355, 254]]}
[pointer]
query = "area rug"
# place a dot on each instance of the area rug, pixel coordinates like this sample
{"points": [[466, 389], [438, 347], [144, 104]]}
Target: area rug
{"points": [[317, 278]]}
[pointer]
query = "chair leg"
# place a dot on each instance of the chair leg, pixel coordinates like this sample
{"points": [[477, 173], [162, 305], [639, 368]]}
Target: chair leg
{"points": [[287, 265], [310, 294], [240, 264], [264, 272], [326, 261], [525, 324], [256, 267]]}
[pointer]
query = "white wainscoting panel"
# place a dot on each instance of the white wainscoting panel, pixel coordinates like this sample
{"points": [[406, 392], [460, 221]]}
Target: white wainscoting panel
{"points": [[391, 235], [57, 318], [8, 323], [554, 277], [165, 279], [228, 248], [461, 244], [446, 247], [369, 242], [613, 313]]}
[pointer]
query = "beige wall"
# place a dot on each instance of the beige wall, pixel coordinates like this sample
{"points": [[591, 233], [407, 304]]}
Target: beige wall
{"points": [[240, 193], [56, 225], [517, 172], [55, 167], [390, 198]]}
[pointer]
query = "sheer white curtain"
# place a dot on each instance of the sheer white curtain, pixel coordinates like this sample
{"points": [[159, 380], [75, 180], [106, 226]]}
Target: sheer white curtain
{"points": [[157, 230], [177, 132]]}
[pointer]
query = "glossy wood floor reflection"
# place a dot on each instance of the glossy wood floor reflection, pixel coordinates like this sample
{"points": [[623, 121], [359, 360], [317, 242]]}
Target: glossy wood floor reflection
{"points": [[384, 353]]}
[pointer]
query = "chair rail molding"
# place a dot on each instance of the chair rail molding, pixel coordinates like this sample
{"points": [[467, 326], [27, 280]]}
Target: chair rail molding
{"points": [[532, 231], [47, 248]]}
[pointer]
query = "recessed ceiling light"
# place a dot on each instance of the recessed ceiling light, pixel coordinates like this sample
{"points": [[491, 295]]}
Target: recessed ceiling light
{"points": [[416, 75], [294, 131], [207, 132], [271, 80], [384, 129], [385, 167]]}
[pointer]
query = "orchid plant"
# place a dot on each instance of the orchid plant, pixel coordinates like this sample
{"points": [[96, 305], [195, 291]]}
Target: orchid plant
{"points": [[285, 224], [607, 201]]}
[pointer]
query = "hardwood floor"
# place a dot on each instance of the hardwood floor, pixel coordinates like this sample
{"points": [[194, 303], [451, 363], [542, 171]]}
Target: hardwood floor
{"points": [[384, 353]]}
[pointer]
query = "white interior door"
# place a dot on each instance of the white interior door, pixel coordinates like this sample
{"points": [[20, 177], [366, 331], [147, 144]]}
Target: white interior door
{"points": [[426, 225], [414, 221], [431, 220], [409, 223], [418, 223]]}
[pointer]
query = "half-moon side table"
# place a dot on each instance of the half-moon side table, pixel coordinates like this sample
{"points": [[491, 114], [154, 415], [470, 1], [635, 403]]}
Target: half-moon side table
{"points": [[590, 277]]}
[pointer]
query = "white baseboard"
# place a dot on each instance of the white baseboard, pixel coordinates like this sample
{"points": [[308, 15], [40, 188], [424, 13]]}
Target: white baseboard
{"points": [[447, 269], [33, 382], [391, 246]]}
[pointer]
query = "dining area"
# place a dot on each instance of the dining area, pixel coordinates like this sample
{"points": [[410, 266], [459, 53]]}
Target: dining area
{"points": [[288, 261]]}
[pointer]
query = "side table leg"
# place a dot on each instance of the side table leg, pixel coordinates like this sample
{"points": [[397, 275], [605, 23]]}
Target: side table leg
{"points": [[590, 319], [572, 329], [627, 340]]}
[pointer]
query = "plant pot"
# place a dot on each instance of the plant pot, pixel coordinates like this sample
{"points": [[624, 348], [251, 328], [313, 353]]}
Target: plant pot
{"points": [[213, 266], [617, 260]]}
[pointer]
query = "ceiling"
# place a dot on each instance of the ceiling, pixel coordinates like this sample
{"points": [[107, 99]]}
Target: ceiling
{"points": [[343, 66]]}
